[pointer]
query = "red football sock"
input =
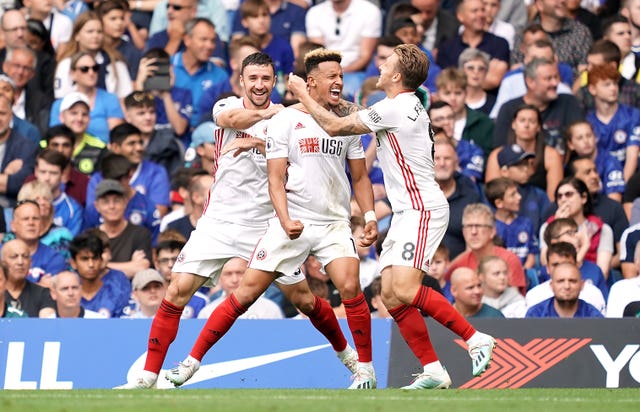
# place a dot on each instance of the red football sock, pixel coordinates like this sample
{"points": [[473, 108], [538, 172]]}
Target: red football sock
{"points": [[323, 318], [438, 307], [359, 320], [219, 322], [164, 329], [415, 333]]}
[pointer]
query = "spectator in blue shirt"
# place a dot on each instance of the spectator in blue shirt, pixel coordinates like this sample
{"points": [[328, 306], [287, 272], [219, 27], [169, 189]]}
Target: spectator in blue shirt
{"points": [[566, 284]]}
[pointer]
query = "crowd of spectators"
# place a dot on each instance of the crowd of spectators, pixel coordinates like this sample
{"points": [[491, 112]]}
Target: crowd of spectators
{"points": [[107, 150]]}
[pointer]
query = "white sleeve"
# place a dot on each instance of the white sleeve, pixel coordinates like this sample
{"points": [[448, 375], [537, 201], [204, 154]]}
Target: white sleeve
{"points": [[606, 239], [355, 149], [381, 116], [219, 107], [277, 136]]}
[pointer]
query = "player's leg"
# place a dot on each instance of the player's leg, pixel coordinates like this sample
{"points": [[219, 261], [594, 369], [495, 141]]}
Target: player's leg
{"points": [[321, 315], [254, 283], [164, 327]]}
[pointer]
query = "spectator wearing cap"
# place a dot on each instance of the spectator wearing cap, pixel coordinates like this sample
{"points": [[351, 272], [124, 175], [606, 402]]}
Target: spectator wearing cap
{"points": [[202, 150], [198, 192], [514, 163], [23, 127], [105, 110], [479, 230], [100, 295], [30, 104], [140, 210], [149, 289], [86, 149], [471, 15], [18, 160], [161, 146], [130, 244]]}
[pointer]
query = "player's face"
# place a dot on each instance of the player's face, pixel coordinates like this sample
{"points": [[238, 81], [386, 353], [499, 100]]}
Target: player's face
{"points": [[620, 34], [144, 118], [48, 174], [495, 277], [511, 199], [388, 69], [232, 274], [132, 148], [585, 170], [477, 231], [476, 71], [76, 118], [258, 83], [111, 207], [446, 162], [438, 266], [67, 291], [88, 265], [525, 125], [605, 90], [259, 24], [444, 118], [26, 222], [113, 23], [582, 140], [569, 199], [566, 283], [327, 83], [455, 97]]}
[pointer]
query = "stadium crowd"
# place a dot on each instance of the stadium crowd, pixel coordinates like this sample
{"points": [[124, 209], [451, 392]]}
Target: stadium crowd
{"points": [[108, 150]]}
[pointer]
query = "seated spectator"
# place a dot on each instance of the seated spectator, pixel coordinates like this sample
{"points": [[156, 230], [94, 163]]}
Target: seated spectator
{"points": [[66, 292], [67, 212], [161, 145], [22, 127], [105, 110], [624, 295], [574, 202], [202, 152], [467, 292], [565, 252], [526, 131], [174, 108], [493, 24], [470, 155], [18, 159], [7, 311], [170, 36], [57, 23], [32, 299], [517, 232], [61, 139], [150, 179], [438, 269], [492, 272], [380, 311], [230, 278], [566, 284], [628, 242], [541, 77], [86, 149], [479, 229], [149, 289], [112, 71], [130, 244], [116, 279], [198, 193], [164, 13], [475, 63], [614, 124], [139, 209], [470, 125], [51, 235], [581, 143], [617, 29], [45, 262], [181, 205], [112, 14], [169, 245], [99, 296], [459, 190]]}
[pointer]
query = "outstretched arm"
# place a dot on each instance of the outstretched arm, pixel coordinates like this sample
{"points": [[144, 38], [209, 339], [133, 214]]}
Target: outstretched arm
{"points": [[276, 170], [241, 119], [335, 126]]}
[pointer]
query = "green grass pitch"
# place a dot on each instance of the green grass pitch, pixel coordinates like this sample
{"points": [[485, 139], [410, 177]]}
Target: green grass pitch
{"points": [[501, 400]]}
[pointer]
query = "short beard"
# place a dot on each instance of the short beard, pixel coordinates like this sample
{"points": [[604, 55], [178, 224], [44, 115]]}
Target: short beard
{"points": [[566, 303]]}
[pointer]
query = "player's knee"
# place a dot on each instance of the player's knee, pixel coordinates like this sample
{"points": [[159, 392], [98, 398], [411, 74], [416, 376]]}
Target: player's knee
{"points": [[245, 297], [305, 303], [350, 289]]}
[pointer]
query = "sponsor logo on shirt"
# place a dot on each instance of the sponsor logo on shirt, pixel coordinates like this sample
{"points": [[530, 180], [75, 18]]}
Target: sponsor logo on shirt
{"points": [[316, 145], [374, 116]]}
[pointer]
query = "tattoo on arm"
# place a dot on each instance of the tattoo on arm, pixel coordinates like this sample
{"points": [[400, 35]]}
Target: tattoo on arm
{"points": [[345, 108]]}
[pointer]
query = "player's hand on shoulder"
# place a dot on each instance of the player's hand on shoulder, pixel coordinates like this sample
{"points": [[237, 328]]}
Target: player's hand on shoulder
{"points": [[369, 235], [271, 111], [293, 228]]}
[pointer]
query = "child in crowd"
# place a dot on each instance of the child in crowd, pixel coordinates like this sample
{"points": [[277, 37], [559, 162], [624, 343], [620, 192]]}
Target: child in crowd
{"points": [[438, 268]]}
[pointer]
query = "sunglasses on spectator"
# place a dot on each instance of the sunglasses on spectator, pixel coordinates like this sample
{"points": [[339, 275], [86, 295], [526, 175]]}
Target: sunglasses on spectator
{"points": [[85, 69], [176, 7]]}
